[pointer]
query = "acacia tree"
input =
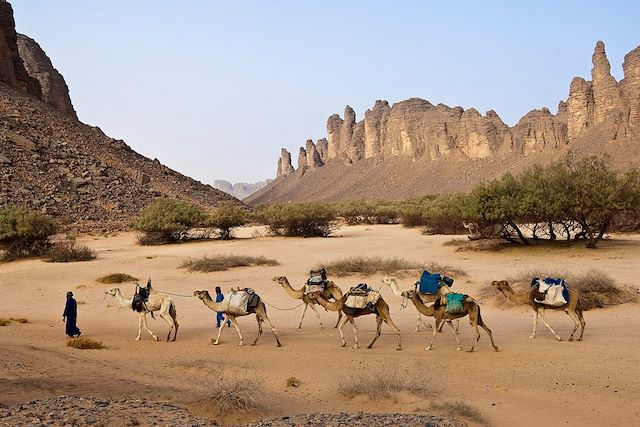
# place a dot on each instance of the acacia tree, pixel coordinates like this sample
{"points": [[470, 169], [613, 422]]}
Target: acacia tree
{"points": [[168, 221], [226, 217], [24, 232]]}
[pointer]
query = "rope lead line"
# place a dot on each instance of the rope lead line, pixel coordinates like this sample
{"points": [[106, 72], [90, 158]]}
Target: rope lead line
{"points": [[282, 309]]}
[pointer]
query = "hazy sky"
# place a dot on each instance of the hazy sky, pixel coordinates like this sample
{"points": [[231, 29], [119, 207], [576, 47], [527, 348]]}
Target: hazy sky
{"points": [[214, 89]]}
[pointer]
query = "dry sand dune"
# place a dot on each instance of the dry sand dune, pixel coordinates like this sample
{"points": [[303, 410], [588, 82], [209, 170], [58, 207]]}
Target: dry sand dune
{"points": [[529, 382]]}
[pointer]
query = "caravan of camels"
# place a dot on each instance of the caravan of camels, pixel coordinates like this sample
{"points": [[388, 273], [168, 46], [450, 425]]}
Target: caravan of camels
{"points": [[431, 296]]}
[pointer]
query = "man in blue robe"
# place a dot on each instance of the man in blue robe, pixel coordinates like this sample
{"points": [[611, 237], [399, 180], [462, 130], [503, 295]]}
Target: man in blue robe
{"points": [[70, 316]]}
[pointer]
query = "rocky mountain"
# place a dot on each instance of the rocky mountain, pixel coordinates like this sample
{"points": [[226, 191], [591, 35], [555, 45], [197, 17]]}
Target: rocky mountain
{"points": [[239, 190], [50, 161], [414, 147]]}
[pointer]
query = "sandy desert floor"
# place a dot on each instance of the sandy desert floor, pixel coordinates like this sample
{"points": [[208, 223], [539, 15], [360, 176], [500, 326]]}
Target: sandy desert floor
{"points": [[529, 382]]}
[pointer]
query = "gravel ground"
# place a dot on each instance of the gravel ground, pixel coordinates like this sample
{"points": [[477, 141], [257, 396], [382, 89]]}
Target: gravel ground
{"points": [[79, 411]]}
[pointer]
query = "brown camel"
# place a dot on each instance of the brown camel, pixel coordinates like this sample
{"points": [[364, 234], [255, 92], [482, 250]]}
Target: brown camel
{"points": [[331, 291], [231, 314], [572, 308], [469, 307], [381, 310]]}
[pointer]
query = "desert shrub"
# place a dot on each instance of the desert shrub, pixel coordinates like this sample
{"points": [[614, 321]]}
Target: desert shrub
{"points": [[382, 383], [19, 320], [372, 265], [293, 382], [364, 211], [298, 219], [168, 221], [4, 322], [208, 264], [225, 217], [116, 278], [84, 343], [24, 233], [443, 214], [69, 251], [597, 288], [460, 409], [228, 393]]}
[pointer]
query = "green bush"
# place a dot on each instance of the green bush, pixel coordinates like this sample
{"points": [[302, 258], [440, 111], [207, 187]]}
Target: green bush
{"points": [[298, 219], [227, 216], [364, 211], [168, 221], [24, 232]]}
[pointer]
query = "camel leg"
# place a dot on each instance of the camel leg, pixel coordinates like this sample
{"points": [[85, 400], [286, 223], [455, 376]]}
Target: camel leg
{"points": [[259, 320], [488, 331], [139, 326], [576, 322], [389, 322], [169, 321], [339, 317], [475, 326], [455, 334], [435, 331], [273, 329], [355, 334], [302, 317], [235, 325], [544, 319], [378, 331], [317, 315], [146, 326], [535, 324], [340, 325], [582, 323], [219, 333]]}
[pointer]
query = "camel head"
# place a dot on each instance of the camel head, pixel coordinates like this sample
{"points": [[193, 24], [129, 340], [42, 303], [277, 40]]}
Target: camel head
{"points": [[280, 279], [202, 294], [387, 280], [113, 291], [501, 285], [408, 294]]}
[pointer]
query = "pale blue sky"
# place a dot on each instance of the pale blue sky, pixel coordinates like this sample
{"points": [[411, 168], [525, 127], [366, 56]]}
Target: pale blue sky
{"points": [[202, 84]]}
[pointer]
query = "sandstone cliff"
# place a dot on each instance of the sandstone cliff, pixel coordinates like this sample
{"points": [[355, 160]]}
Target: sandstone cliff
{"points": [[38, 65], [595, 114]]}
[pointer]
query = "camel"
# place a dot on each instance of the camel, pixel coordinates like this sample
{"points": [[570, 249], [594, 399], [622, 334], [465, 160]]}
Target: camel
{"points": [[330, 291], [231, 314], [470, 308], [381, 310], [425, 298], [572, 308], [157, 302]]}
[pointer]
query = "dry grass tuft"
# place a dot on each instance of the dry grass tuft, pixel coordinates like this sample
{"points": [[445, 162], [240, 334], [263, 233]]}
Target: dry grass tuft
{"points": [[84, 343], [4, 322], [19, 319], [460, 409], [69, 252], [113, 278], [208, 264], [228, 393], [368, 266], [482, 245], [597, 288], [382, 383], [294, 382]]}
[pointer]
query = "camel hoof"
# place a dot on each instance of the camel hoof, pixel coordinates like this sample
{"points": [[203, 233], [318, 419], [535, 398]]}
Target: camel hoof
{"points": [[459, 348], [155, 338], [531, 337], [579, 339], [470, 350], [299, 327], [495, 348], [399, 349], [137, 339], [241, 344], [215, 342], [428, 348], [559, 338], [344, 344], [279, 345], [570, 339], [355, 346], [253, 344]]}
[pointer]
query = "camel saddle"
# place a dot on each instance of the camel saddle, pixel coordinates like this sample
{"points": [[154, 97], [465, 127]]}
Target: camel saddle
{"points": [[429, 283], [317, 282], [551, 292], [243, 299], [140, 298], [361, 296]]}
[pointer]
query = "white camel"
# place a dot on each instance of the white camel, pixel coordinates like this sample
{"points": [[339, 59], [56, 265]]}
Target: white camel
{"points": [[157, 302]]}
